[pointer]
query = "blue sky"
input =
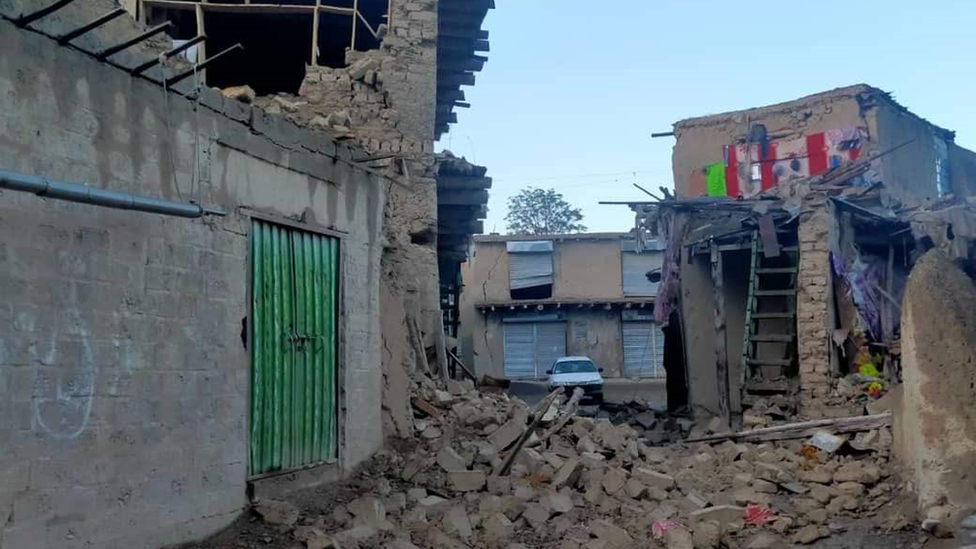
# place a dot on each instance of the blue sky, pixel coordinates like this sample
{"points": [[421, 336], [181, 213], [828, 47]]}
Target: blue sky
{"points": [[570, 96]]}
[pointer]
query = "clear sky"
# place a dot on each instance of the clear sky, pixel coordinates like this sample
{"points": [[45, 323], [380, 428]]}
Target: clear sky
{"points": [[572, 89]]}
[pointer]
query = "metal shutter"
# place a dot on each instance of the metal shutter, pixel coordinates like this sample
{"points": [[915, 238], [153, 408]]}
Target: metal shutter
{"points": [[519, 351], [643, 350], [529, 263], [532, 347], [528, 270], [635, 268], [550, 344]]}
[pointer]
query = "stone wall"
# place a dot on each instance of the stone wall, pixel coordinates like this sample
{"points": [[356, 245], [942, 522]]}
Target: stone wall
{"points": [[811, 306], [122, 367]]}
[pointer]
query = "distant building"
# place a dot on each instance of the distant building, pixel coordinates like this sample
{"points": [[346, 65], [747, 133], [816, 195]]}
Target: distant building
{"points": [[528, 300]]}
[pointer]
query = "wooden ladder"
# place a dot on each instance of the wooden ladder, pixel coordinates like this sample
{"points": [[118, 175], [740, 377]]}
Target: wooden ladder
{"points": [[769, 348]]}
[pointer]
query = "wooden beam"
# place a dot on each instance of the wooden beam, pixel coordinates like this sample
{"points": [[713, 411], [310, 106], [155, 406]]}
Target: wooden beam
{"points": [[355, 23], [803, 429], [473, 197], [460, 182], [721, 348], [248, 8], [315, 34], [202, 48]]}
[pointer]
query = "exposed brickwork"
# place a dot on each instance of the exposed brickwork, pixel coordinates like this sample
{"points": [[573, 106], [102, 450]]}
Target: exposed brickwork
{"points": [[386, 100], [812, 299]]}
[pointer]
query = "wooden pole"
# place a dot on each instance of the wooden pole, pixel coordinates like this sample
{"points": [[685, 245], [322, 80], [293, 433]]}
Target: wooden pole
{"points": [[315, 34], [202, 46], [355, 22], [844, 424], [506, 465], [721, 350]]}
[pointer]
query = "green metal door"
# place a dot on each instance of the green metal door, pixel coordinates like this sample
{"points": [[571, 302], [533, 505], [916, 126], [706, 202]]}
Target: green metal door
{"points": [[294, 295]]}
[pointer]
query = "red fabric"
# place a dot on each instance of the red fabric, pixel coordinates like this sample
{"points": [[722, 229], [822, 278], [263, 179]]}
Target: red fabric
{"points": [[766, 166], [731, 172], [817, 151]]}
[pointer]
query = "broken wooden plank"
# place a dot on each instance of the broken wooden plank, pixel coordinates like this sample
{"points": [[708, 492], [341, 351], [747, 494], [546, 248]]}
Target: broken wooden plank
{"points": [[464, 368], [426, 408], [506, 465], [721, 351], [803, 429], [568, 413], [767, 232]]}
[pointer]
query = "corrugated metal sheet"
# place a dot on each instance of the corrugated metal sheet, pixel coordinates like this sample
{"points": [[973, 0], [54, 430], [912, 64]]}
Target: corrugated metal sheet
{"points": [[528, 270], [526, 246], [531, 348], [635, 269], [550, 344], [293, 348], [520, 351], [643, 350]]}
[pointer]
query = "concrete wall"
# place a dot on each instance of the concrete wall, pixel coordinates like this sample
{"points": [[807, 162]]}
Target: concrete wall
{"points": [[587, 269], [122, 369], [939, 368], [700, 141]]}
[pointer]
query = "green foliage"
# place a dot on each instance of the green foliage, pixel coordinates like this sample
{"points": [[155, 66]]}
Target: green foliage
{"points": [[542, 212]]}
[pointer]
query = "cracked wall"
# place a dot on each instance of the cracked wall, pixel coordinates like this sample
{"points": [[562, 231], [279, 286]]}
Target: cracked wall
{"points": [[122, 365]]}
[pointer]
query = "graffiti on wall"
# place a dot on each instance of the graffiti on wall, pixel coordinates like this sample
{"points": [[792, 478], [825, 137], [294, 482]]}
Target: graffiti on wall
{"points": [[65, 371]]}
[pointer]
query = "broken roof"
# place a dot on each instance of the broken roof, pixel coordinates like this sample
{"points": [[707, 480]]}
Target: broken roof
{"points": [[866, 95]]}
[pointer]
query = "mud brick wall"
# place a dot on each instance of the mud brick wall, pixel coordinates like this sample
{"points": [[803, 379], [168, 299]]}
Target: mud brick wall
{"points": [[812, 298]]}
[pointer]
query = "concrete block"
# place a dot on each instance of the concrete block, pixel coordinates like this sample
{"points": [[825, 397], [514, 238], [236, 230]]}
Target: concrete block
{"points": [[466, 481]]}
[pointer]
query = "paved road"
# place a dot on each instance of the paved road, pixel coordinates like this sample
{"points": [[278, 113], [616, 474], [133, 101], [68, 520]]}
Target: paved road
{"points": [[614, 390]]}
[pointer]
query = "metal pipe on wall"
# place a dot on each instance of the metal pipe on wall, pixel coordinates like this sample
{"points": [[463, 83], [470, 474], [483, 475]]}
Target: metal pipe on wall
{"points": [[79, 192]]}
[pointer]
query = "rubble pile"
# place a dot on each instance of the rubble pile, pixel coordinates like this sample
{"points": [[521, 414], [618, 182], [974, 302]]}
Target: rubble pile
{"points": [[360, 83], [585, 483]]}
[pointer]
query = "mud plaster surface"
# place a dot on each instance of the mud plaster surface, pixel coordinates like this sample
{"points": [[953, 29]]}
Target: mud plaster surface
{"points": [[939, 341]]}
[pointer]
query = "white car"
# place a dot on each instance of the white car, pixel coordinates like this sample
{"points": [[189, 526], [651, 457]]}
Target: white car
{"points": [[570, 372]]}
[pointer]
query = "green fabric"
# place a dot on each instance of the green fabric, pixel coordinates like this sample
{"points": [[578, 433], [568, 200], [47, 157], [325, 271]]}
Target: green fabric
{"points": [[715, 179]]}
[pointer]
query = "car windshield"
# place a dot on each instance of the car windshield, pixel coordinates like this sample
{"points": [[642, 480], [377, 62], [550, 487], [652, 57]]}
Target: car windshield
{"points": [[574, 367]]}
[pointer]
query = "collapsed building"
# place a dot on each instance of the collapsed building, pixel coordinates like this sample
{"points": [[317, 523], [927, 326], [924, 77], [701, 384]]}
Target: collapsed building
{"points": [[789, 244], [213, 293]]}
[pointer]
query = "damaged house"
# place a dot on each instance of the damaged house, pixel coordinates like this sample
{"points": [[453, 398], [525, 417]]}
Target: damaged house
{"points": [[212, 294], [789, 244], [532, 299]]}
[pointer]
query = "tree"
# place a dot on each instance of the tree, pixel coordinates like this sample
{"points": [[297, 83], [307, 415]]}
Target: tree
{"points": [[542, 211]]}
